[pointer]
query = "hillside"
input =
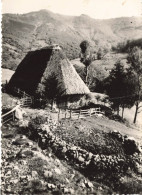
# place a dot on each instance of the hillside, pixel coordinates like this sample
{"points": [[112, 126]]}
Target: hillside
{"points": [[100, 68], [54, 159], [6, 75], [34, 30]]}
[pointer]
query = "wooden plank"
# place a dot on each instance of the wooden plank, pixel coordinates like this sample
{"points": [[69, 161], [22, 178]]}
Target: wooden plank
{"points": [[75, 114], [9, 112], [7, 116], [73, 117], [75, 111], [7, 120], [84, 112], [82, 117]]}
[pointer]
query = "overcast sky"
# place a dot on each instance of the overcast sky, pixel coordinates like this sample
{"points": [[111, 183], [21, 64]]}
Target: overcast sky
{"points": [[101, 9]]}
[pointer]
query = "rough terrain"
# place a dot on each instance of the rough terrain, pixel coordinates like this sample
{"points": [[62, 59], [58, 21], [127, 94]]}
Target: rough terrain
{"points": [[86, 156]]}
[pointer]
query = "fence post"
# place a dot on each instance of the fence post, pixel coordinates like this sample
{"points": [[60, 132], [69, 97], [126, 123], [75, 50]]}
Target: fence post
{"points": [[65, 113], [13, 116], [70, 112], [59, 115], [90, 111], [32, 99], [79, 113]]}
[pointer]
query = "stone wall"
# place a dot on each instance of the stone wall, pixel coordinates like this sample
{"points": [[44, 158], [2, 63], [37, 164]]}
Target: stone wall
{"points": [[81, 158]]}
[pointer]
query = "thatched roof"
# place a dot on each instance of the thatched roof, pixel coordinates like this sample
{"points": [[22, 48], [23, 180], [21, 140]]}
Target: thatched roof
{"points": [[38, 67]]}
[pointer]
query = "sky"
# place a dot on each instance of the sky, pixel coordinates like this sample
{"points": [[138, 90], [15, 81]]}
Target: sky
{"points": [[99, 9]]}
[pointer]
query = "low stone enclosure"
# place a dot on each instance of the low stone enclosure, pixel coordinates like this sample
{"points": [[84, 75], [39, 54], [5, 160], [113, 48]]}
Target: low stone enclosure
{"points": [[90, 163]]}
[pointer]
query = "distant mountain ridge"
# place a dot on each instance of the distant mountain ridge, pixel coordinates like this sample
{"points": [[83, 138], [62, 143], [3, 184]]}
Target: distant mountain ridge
{"points": [[31, 31]]}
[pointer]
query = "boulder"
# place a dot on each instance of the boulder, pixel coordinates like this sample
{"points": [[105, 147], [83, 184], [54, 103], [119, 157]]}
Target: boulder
{"points": [[65, 190], [89, 184], [34, 174], [89, 156], [51, 186], [20, 141], [81, 159], [25, 152], [48, 174], [82, 185], [58, 171], [71, 191], [131, 146]]}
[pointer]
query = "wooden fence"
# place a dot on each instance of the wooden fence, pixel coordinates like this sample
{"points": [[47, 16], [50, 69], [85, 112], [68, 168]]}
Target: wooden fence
{"points": [[77, 114], [26, 100], [20, 92], [8, 116]]}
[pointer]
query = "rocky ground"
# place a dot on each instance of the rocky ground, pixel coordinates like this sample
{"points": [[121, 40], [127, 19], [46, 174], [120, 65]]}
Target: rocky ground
{"points": [[43, 156], [27, 169]]}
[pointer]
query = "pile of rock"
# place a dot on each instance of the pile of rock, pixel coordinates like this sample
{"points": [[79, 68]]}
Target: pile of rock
{"points": [[76, 155], [130, 145]]}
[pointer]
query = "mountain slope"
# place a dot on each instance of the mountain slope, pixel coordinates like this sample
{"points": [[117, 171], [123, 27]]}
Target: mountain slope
{"points": [[30, 31]]}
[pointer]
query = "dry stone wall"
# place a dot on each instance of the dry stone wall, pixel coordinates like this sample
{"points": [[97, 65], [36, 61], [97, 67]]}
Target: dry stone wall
{"points": [[83, 159]]}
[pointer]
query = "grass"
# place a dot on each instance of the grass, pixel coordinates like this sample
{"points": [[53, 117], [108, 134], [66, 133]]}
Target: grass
{"points": [[38, 163], [91, 134], [89, 138]]}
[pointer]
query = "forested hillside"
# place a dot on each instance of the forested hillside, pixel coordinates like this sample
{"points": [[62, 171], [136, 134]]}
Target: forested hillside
{"points": [[22, 33]]}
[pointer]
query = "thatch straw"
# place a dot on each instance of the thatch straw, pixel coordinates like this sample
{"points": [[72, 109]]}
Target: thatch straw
{"points": [[38, 67]]}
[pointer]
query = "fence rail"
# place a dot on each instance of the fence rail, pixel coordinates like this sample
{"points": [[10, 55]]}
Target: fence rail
{"points": [[26, 100], [76, 114], [20, 92], [8, 116]]}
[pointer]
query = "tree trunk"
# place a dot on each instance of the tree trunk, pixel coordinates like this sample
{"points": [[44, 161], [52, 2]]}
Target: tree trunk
{"points": [[86, 76], [118, 110], [136, 112], [52, 104], [122, 111]]}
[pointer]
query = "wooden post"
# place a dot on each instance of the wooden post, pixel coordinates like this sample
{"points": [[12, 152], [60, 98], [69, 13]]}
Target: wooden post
{"points": [[32, 100], [13, 116], [90, 111], [59, 115], [70, 112], [79, 113], [94, 111], [65, 113]]}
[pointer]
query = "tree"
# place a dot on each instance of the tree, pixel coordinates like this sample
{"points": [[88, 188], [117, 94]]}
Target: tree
{"points": [[118, 88], [49, 89], [102, 51], [135, 60], [85, 57]]}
